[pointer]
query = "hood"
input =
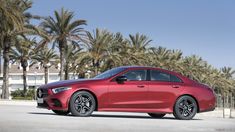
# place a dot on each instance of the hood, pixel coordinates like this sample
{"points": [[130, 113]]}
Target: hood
{"points": [[67, 83]]}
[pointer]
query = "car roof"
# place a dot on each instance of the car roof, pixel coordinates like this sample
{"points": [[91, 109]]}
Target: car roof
{"points": [[136, 67], [184, 78], [150, 67]]}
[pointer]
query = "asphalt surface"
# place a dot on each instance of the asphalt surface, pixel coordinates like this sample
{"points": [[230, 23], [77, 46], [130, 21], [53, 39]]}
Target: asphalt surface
{"points": [[30, 119]]}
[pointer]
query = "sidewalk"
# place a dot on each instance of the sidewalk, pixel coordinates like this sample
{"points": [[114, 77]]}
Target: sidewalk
{"points": [[218, 112], [18, 102]]}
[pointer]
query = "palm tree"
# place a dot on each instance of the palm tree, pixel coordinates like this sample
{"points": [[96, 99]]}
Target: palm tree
{"points": [[72, 54], [0, 56], [159, 57], [175, 60], [13, 21], [22, 52], [139, 43], [116, 52], [193, 67], [62, 29], [46, 58], [137, 47], [228, 72], [96, 48]]}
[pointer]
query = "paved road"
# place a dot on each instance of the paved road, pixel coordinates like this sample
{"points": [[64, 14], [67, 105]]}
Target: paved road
{"points": [[30, 119]]}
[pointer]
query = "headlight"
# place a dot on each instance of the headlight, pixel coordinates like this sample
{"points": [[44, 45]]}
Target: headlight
{"points": [[60, 89]]}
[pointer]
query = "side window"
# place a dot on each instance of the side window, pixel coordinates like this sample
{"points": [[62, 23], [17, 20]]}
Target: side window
{"points": [[136, 75], [162, 76], [175, 79]]}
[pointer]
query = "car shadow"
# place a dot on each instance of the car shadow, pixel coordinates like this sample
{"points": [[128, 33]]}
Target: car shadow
{"points": [[112, 116], [134, 117], [128, 116]]}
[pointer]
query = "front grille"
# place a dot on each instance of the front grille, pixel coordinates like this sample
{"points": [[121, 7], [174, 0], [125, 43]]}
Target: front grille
{"points": [[41, 93]]}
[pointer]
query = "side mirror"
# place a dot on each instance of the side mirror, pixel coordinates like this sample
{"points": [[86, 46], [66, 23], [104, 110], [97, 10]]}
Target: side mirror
{"points": [[121, 79]]}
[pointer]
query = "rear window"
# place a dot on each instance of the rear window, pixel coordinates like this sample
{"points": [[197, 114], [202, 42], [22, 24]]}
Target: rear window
{"points": [[156, 75]]}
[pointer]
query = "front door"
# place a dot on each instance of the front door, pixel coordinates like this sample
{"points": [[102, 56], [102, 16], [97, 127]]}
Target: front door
{"points": [[131, 94]]}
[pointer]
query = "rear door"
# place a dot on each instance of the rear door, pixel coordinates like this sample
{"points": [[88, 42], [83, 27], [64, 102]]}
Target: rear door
{"points": [[163, 89]]}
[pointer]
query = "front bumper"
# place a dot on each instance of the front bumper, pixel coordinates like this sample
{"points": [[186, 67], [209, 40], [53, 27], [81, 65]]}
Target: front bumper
{"points": [[52, 101]]}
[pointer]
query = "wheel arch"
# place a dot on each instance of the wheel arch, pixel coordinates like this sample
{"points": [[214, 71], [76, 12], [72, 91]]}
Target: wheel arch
{"points": [[198, 110], [89, 91]]}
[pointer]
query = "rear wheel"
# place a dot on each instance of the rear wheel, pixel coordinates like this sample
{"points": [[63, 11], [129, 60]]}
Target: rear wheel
{"points": [[60, 112], [82, 103], [154, 115], [185, 108]]}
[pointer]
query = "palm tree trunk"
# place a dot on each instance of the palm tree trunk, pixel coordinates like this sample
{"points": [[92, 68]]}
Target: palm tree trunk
{"points": [[96, 65], [66, 67], [62, 58], [25, 80], [231, 104], [66, 70], [6, 50], [46, 74], [223, 104], [0, 61]]}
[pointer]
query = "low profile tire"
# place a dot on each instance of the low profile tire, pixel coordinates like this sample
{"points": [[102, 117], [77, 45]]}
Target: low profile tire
{"points": [[154, 115], [60, 112], [185, 108], [82, 103]]}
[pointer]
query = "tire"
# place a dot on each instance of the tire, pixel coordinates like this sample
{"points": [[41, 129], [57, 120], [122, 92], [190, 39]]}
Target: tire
{"points": [[154, 115], [82, 104], [185, 108], [60, 112]]}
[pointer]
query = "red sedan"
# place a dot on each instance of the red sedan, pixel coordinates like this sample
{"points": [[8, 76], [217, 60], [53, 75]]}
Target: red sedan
{"points": [[129, 89]]}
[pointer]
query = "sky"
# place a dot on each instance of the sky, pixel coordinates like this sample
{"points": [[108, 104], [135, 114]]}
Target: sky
{"points": [[202, 27]]}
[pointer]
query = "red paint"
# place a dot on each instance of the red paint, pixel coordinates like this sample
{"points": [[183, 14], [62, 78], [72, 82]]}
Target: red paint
{"points": [[134, 96]]}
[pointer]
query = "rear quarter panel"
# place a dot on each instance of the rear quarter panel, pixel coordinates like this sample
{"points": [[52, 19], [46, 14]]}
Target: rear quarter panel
{"points": [[204, 97]]}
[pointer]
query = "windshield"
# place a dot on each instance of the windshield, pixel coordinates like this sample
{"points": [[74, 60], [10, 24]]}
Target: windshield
{"points": [[110, 73]]}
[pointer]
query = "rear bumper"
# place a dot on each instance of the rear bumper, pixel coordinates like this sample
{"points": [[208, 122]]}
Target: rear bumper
{"points": [[208, 104], [207, 110]]}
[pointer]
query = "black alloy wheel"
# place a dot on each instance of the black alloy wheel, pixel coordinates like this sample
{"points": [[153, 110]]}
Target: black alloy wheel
{"points": [[82, 103], [185, 108]]}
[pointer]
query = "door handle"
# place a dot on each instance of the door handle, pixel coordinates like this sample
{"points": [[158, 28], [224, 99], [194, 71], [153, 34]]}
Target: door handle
{"points": [[175, 86], [140, 86]]}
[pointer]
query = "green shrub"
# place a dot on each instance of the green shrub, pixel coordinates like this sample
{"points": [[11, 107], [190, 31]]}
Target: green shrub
{"points": [[19, 94]]}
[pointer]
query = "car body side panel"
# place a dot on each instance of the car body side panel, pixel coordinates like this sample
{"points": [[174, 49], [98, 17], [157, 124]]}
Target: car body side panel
{"points": [[205, 98], [158, 97], [129, 95], [163, 95]]}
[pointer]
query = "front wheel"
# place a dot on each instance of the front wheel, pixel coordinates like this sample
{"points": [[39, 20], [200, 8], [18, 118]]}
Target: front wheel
{"points": [[185, 108], [154, 115], [60, 112], [82, 103]]}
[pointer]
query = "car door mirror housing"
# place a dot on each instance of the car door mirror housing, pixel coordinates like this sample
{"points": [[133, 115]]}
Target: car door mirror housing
{"points": [[121, 79]]}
